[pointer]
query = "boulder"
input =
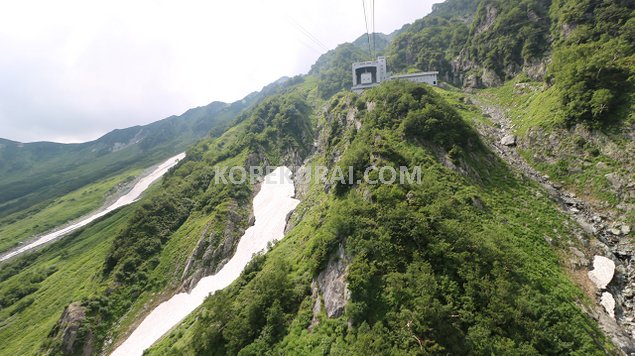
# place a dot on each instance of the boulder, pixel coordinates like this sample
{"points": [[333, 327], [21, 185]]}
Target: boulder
{"points": [[601, 165], [489, 78], [69, 333], [615, 231], [615, 180], [509, 140]]}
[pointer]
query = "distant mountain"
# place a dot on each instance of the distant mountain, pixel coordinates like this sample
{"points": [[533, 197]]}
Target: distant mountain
{"points": [[378, 41], [32, 173], [522, 186]]}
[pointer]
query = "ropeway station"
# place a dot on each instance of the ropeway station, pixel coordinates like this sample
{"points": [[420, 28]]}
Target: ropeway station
{"points": [[371, 73]]}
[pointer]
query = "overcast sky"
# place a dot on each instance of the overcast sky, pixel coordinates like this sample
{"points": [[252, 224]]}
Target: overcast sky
{"points": [[70, 71]]}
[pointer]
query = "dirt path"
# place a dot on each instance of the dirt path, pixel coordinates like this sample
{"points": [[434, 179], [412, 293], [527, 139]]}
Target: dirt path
{"points": [[620, 251]]}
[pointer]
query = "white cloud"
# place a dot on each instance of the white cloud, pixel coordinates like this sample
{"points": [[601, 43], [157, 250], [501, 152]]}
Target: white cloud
{"points": [[73, 70]]}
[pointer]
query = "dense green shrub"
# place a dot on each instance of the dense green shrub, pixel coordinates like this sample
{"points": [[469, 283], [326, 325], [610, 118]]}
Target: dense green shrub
{"points": [[153, 223], [593, 60], [417, 112]]}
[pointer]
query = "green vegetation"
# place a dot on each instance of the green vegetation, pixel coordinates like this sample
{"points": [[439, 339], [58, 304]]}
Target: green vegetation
{"points": [[593, 62], [333, 69], [458, 264], [55, 276], [431, 43], [590, 43], [528, 104], [20, 226], [467, 262], [507, 35], [464, 36], [580, 156], [33, 175]]}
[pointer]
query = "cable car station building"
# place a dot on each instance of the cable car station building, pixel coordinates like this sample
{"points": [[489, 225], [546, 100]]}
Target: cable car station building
{"points": [[370, 73]]}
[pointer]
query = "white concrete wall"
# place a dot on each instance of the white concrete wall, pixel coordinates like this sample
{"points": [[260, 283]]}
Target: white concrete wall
{"points": [[423, 78]]}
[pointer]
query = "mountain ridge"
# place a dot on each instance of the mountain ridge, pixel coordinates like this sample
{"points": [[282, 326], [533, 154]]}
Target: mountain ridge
{"points": [[475, 259]]}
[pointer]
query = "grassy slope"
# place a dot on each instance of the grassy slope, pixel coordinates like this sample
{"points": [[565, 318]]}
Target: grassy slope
{"points": [[23, 225], [68, 172], [530, 103], [522, 279], [578, 163], [77, 261]]}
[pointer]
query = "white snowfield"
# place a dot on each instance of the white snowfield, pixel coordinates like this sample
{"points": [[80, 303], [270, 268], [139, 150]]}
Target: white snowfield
{"points": [[129, 198], [271, 206]]}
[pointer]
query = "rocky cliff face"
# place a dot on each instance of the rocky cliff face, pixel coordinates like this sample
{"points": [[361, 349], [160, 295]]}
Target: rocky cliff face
{"points": [[214, 247], [479, 43], [330, 289], [70, 335], [333, 286]]}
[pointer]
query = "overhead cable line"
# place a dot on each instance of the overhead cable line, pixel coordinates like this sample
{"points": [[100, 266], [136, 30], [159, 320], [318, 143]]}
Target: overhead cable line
{"points": [[374, 38], [370, 52], [308, 34]]}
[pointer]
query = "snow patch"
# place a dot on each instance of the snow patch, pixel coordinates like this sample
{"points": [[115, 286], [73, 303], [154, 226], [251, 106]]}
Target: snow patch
{"points": [[129, 198], [272, 204], [608, 303], [602, 272]]}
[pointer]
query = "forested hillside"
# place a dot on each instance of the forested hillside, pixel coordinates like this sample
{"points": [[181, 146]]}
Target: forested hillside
{"points": [[480, 257], [456, 264]]}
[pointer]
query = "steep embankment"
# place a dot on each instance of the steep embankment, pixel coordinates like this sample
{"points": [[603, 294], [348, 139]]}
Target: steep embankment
{"points": [[466, 261], [587, 170], [562, 99]]}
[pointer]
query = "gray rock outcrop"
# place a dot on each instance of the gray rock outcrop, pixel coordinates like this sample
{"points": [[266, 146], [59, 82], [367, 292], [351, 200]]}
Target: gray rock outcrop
{"points": [[69, 335], [508, 140], [333, 286]]}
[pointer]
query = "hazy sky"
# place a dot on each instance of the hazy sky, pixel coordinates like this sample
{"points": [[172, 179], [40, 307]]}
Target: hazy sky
{"points": [[71, 71]]}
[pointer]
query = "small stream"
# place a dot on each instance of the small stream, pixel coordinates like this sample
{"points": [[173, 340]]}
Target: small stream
{"points": [[271, 206], [128, 198]]}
